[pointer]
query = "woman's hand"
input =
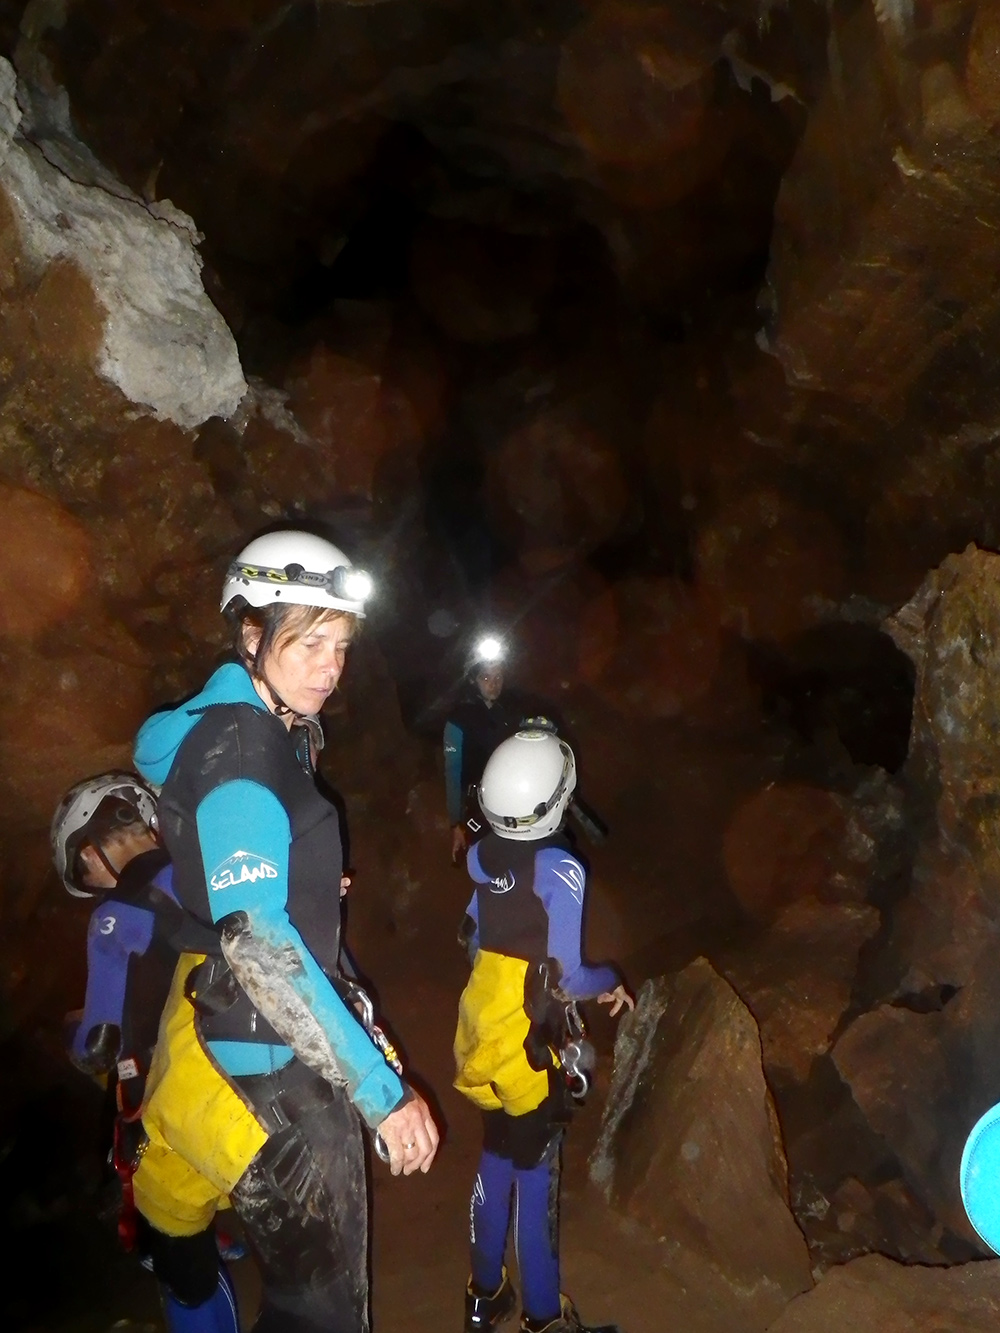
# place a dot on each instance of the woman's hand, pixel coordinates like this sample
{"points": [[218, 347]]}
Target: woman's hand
{"points": [[345, 884], [459, 843], [616, 998], [411, 1137]]}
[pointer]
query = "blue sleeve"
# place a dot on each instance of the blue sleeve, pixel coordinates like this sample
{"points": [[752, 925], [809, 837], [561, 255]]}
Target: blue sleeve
{"points": [[245, 835], [472, 911], [453, 771], [561, 883], [116, 932]]}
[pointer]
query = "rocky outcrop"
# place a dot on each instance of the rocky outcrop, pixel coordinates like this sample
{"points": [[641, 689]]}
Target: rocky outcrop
{"points": [[921, 1065], [690, 1144], [875, 1295], [796, 980], [163, 343]]}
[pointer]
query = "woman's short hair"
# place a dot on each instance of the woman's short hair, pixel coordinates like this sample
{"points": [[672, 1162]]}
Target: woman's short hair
{"points": [[281, 623]]}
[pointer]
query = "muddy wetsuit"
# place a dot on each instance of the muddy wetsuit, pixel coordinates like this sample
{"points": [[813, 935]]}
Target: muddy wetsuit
{"points": [[472, 732], [134, 938], [257, 853], [527, 908]]}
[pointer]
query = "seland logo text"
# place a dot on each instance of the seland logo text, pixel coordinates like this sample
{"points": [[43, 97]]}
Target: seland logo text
{"points": [[242, 868]]}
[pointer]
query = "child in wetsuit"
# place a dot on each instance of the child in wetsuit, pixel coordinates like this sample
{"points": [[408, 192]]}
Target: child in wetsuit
{"points": [[524, 924]]}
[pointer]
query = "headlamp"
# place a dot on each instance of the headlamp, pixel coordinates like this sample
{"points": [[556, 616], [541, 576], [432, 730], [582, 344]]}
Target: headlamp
{"points": [[346, 583], [354, 585], [489, 650]]}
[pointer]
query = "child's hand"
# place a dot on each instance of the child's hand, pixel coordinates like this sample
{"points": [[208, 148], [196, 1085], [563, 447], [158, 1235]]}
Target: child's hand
{"points": [[616, 998]]}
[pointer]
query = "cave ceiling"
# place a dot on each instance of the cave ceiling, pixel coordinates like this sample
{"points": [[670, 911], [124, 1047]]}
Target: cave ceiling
{"points": [[760, 243]]}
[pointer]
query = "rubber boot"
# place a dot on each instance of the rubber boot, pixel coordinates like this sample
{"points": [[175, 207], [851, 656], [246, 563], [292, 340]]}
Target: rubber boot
{"points": [[567, 1321], [483, 1311]]}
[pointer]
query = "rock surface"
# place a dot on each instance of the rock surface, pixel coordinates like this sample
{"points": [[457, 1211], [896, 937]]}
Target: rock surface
{"points": [[875, 1295], [163, 342], [690, 1143], [796, 980]]}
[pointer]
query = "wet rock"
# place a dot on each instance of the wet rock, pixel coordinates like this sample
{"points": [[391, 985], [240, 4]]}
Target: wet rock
{"points": [[690, 1143], [772, 563], [46, 563], [875, 1295], [796, 980], [163, 343]]}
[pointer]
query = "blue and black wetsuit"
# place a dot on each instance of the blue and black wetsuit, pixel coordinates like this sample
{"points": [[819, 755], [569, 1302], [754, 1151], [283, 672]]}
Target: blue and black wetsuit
{"points": [[527, 908], [133, 941], [135, 936], [472, 732], [254, 843]]}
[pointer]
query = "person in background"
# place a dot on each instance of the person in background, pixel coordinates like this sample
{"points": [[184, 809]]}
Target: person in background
{"points": [[481, 717], [524, 926], [105, 847], [264, 1076]]}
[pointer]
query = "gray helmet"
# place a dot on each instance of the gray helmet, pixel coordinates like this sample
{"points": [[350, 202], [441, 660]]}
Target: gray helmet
{"points": [[79, 806]]}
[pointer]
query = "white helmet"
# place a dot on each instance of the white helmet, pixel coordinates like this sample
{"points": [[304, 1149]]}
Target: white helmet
{"points": [[297, 567], [78, 807], [527, 784]]}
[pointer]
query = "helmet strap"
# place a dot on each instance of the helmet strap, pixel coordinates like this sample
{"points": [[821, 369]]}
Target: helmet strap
{"points": [[101, 855]]}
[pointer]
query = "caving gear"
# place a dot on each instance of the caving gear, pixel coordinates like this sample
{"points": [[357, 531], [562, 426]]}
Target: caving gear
{"points": [[489, 650], [302, 1203], [216, 1315], [557, 1035], [519, 1047], [484, 1310], [566, 1321], [134, 938], [252, 837], [978, 1176], [298, 568], [472, 732], [527, 784], [257, 854], [76, 811]]}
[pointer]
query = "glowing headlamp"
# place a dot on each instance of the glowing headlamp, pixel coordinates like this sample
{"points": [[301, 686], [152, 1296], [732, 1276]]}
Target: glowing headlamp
{"points": [[353, 585], [490, 650], [345, 583]]}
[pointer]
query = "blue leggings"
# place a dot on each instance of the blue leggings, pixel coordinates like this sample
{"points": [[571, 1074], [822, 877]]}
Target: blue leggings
{"points": [[533, 1192]]}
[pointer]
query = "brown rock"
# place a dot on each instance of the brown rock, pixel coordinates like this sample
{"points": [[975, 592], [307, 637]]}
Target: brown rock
{"points": [[796, 980], [350, 414], [46, 563], [557, 487], [875, 1295], [779, 846], [773, 564], [650, 646], [982, 61], [690, 1143], [62, 718], [479, 285], [923, 1076], [630, 85]]}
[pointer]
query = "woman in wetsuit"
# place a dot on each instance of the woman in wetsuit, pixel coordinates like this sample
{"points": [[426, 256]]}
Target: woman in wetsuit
{"points": [[264, 1075]]}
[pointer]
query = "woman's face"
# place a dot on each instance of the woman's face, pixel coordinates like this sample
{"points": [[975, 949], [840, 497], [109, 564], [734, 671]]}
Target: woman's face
{"points": [[305, 670]]}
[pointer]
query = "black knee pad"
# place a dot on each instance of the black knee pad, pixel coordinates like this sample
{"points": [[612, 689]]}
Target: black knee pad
{"points": [[188, 1265]]}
